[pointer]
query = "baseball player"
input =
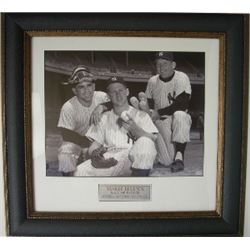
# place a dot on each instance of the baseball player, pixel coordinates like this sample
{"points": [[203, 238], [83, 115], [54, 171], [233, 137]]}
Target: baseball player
{"points": [[123, 141], [168, 93], [75, 116]]}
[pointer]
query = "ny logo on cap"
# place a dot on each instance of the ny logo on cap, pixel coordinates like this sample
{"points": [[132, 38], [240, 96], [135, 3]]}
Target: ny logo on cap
{"points": [[114, 78], [160, 53]]}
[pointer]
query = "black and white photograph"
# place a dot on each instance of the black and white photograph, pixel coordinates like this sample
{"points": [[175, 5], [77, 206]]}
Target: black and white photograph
{"points": [[124, 113]]}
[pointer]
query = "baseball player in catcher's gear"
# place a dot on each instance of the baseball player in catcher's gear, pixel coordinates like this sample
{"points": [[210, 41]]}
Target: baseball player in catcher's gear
{"points": [[123, 140], [168, 94], [75, 117]]}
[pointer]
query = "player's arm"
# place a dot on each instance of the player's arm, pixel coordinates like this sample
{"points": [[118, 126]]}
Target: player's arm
{"points": [[136, 131], [152, 136], [181, 102], [149, 93], [107, 105], [71, 136], [104, 101], [151, 103], [98, 111], [94, 145]]}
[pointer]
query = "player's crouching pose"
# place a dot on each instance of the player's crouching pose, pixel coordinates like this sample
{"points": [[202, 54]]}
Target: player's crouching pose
{"points": [[123, 141], [75, 118], [168, 93]]}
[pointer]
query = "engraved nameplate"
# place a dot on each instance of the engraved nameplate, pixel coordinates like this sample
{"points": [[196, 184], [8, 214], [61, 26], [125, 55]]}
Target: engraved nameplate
{"points": [[117, 192]]}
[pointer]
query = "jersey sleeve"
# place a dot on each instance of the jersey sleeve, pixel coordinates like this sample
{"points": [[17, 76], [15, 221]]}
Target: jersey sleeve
{"points": [[97, 132], [66, 119], [101, 97], [183, 84], [149, 89], [146, 123]]}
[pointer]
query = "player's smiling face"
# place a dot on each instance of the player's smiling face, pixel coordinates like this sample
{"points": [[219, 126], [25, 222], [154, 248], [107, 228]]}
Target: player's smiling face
{"points": [[165, 68], [118, 94], [84, 91]]}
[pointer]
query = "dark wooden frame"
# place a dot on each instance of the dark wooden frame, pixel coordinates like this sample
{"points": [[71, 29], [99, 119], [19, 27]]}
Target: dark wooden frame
{"points": [[17, 32]]}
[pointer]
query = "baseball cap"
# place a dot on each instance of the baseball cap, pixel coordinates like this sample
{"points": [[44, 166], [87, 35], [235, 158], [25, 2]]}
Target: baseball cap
{"points": [[165, 55], [79, 74], [115, 79]]}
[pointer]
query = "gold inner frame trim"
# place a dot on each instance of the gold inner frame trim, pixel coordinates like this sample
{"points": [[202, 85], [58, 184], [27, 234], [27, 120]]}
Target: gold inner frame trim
{"points": [[32, 214], [96, 33]]}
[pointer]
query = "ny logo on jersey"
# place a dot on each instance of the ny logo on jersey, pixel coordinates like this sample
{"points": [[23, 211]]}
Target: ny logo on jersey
{"points": [[171, 97]]}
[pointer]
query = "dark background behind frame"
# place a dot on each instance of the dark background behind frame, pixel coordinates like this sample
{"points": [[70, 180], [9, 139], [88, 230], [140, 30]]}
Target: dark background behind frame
{"points": [[232, 25]]}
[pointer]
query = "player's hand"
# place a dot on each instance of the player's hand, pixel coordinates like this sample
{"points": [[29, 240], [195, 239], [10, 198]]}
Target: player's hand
{"points": [[133, 129], [96, 115], [134, 102], [154, 115], [98, 160], [143, 104]]}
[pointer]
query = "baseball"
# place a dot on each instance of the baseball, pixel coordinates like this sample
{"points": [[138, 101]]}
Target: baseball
{"points": [[142, 96], [124, 116]]}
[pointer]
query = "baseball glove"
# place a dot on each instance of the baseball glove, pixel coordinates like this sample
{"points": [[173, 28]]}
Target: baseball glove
{"points": [[98, 160]]}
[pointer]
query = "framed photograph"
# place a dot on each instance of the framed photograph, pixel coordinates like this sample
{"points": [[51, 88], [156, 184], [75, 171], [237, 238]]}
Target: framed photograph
{"points": [[125, 124]]}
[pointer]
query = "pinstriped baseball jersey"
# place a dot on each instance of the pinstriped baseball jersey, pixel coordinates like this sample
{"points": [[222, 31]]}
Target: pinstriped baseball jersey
{"points": [[75, 116], [109, 133], [163, 93]]}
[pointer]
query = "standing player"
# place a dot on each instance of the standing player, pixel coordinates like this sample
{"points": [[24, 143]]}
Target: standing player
{"points": [[128, 135], [168, 94], [75, 118]]}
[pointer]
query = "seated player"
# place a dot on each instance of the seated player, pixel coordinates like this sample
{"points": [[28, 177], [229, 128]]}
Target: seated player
{"points": [[123, 141]]}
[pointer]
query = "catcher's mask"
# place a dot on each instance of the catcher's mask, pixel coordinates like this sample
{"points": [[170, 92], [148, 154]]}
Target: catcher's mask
{"points": [[80, 74]]}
